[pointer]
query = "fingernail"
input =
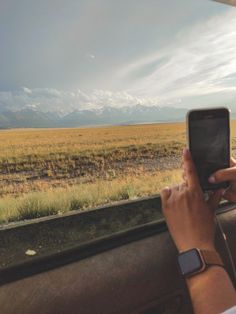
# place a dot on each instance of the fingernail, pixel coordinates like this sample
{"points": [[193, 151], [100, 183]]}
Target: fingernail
{"points": [[167, 190], [185, 151], [212, 179]]}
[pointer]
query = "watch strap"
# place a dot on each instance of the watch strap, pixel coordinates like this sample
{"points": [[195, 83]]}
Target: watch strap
{"points": [[211, 258]]}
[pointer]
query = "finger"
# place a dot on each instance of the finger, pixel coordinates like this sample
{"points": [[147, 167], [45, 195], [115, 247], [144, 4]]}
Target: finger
{"points": [[229, 196], [223, 175], [165, 194], [173, 189], [183, 186], [215, 199], [232, 162], [184, 177], [191, 173]]}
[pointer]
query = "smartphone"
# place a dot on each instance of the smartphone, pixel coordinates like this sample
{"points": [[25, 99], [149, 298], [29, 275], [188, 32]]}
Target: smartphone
{"points": [[209, 143]]}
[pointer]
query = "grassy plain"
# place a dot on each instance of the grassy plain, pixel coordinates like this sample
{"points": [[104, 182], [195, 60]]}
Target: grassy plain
{"points": [[48, 171]]}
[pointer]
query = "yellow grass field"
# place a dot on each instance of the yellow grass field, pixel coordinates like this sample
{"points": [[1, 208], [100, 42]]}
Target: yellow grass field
{"points": [[23, 144], [48, 171]]}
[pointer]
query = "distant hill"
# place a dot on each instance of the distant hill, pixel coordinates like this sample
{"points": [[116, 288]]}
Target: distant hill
{"points": [[31, 118], [28, 118], [125, 115]]}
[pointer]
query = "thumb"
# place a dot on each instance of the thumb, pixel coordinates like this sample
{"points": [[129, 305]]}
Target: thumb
{"points": [[215, 199], [223, 175]]}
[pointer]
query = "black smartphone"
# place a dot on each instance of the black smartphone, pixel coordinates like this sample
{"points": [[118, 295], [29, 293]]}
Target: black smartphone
{"points": [[209, 143]]}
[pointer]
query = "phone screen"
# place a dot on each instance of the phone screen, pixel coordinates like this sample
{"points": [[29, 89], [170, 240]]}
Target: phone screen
{"points": [[209, 143]]}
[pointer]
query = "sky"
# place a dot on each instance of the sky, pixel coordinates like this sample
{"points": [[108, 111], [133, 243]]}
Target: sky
{"points": [[59, 55]]}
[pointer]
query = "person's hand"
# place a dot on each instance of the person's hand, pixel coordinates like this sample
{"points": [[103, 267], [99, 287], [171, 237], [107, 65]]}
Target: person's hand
{"points": [[191, 219], [225, 175]]}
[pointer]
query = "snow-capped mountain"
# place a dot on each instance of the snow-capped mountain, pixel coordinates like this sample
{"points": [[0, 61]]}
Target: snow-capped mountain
{"points": [[33, 118]]}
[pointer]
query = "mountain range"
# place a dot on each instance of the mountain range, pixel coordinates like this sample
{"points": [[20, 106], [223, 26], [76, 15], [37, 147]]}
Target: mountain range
{"points": [[31, 118]]}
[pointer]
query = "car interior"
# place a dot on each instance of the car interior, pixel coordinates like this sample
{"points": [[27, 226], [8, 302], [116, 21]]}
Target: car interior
{"points": [[119, 273]]}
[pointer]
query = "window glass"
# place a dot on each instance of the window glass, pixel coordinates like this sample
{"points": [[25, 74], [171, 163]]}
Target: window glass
{"points": [[93, 97]]}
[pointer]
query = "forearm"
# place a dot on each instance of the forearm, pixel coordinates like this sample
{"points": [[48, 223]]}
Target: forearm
{"points": [[211, 291]]}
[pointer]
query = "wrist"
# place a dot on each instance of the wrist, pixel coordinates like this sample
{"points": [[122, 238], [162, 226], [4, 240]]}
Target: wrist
{"points": [[212, 270], [195, 261]]}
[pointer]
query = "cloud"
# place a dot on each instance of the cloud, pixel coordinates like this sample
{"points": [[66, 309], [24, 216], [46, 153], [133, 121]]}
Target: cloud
{"points": [[197, 68], [47, 99], [201, 61], [90, 56], [27, 90]]}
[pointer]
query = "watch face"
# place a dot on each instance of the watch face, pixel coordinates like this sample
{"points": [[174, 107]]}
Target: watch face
{"points": [[190, 262]]}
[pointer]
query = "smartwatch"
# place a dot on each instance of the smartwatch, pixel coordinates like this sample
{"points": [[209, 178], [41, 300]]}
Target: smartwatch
{"points": [[195, 261]]}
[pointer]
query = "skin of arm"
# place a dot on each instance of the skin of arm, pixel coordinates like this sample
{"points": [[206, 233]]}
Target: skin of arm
{"points": [[191, 222]]}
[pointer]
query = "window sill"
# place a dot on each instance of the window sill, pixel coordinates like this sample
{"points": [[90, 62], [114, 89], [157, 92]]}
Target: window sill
{"points": [[63, 239]]}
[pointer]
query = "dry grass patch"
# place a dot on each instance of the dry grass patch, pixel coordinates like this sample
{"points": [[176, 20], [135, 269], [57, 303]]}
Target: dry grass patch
{"points": [[84, 196]]}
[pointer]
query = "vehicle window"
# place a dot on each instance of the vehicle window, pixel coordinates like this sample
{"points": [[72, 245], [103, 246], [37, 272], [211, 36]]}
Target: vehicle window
{"points": [[93, 97]]}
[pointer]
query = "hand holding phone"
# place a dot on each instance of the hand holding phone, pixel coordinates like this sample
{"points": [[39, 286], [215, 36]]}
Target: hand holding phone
{"points": [[225, 175], [209, 143]]}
